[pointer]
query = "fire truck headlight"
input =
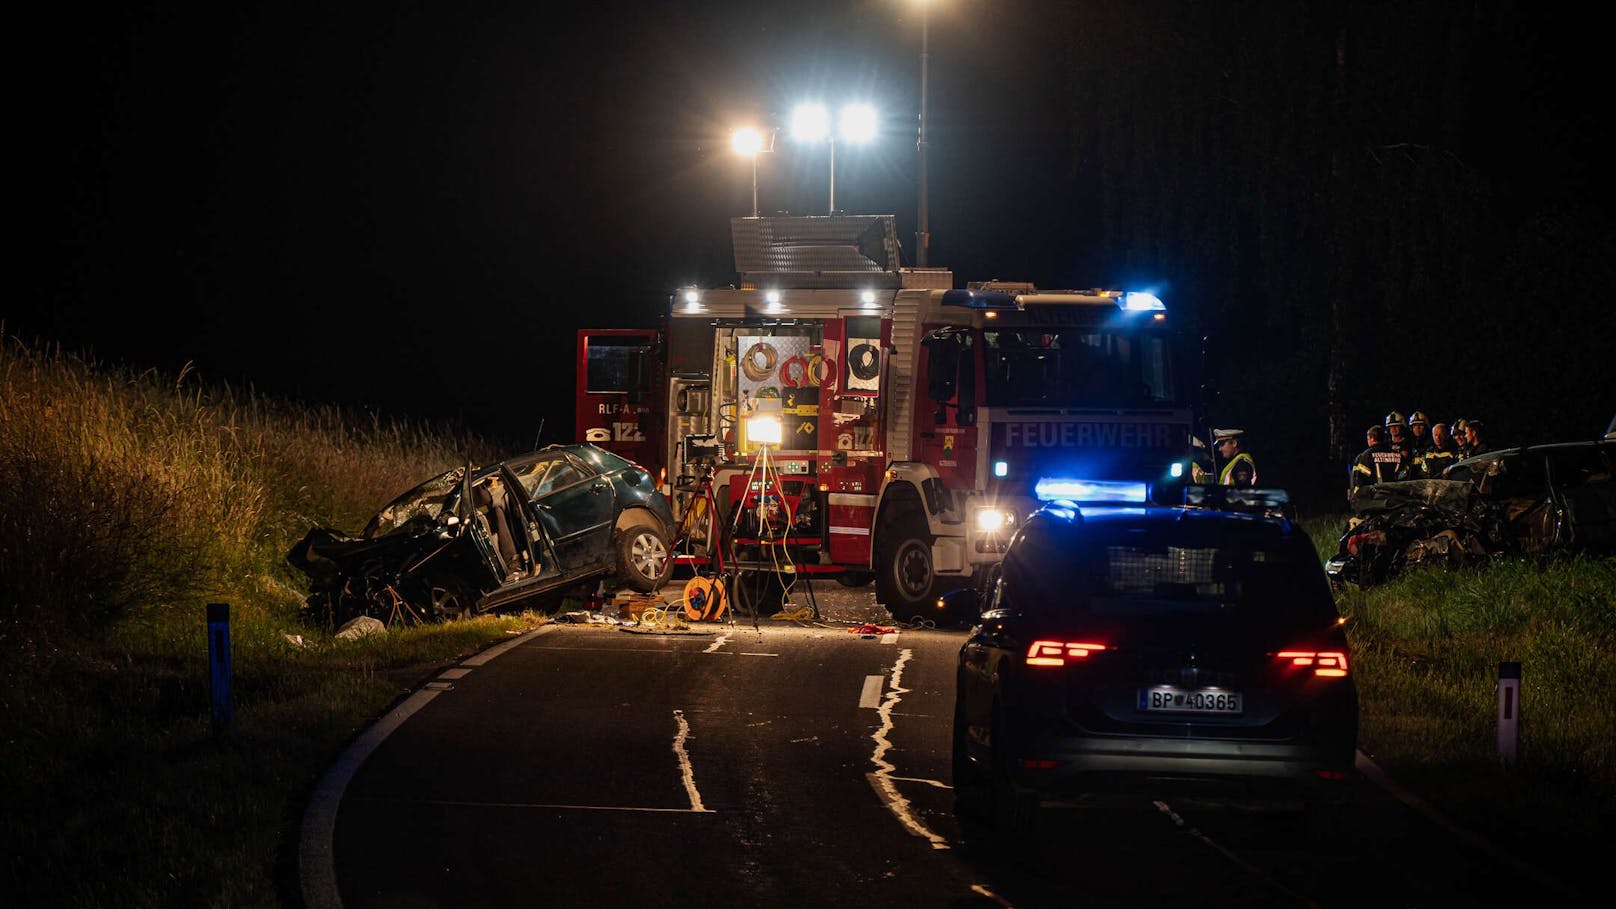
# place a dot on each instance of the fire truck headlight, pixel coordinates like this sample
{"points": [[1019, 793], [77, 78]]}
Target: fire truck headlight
{"points": [[989, 520], [763, 430], [1177, 470]]}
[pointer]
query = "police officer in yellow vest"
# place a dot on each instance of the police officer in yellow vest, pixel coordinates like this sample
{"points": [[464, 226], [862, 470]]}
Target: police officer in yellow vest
{"points": [[1239, 468]]}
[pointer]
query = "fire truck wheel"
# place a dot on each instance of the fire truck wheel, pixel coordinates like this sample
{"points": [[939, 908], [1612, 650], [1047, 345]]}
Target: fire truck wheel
{"points": [[852, 577], [905, 577], [642, 555]]}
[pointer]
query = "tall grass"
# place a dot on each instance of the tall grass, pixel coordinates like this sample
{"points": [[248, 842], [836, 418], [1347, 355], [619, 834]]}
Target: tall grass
{"points": [[128, 500], [1428, 647]]}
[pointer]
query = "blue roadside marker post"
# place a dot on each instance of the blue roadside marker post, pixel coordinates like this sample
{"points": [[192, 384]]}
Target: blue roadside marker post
{"points": [[219, 666], [1509, 712]]}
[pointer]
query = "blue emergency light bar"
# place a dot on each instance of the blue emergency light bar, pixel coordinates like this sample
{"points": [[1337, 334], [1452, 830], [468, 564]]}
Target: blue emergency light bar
{"points": [[1138, 301], [1051, 489], [979, 299]]}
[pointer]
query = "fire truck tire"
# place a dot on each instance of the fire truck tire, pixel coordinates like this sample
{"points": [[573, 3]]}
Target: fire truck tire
{"points": [[853, 577], [643, 562], [905, 577]]}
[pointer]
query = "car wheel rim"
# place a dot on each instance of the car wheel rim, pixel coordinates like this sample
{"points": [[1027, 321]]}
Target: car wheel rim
{"points": [[648, 555], [912, 569]]}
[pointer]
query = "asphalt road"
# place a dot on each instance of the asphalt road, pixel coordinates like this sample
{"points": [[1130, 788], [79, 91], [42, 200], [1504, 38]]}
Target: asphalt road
{"points": [[802, 766]]}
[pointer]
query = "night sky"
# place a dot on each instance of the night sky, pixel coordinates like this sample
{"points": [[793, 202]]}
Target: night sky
{"points": [[413, 209]]}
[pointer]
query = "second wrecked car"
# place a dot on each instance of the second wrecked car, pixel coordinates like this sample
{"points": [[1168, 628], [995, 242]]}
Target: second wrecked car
{"points": [[1528, 500], [474, 539]]}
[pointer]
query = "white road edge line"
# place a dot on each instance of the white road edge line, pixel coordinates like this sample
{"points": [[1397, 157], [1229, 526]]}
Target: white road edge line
{"points": [[722, 640], [1375, 775], [984, 891], [871, 695], [882, 780], [317, 866], [1266, 878], [547, 806], [685, 769]]}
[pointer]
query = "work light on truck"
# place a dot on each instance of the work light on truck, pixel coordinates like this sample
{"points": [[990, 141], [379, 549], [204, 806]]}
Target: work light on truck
{"points": [[764, 430]]}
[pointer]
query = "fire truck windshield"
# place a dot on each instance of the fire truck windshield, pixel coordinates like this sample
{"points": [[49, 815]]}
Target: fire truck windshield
{"points": [[1078, 367]]}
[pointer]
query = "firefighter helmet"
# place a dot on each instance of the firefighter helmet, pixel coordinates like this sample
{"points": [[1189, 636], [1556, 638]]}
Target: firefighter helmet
{"points": [[1394, 419], [1417, 418]]}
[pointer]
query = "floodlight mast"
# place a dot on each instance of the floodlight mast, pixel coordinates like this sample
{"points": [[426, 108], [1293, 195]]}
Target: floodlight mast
{"points": [[811, 123], [922, 230], [749, 142]]}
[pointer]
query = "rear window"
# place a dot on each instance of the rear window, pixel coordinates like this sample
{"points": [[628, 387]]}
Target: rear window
{"points": [[1234, 568]]}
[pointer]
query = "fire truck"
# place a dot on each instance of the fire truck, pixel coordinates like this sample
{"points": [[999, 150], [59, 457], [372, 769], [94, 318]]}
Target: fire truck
{"points": [[838, 414]]}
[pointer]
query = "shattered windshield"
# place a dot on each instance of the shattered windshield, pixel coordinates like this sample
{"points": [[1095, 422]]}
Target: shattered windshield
{"points": [[424, 502], [1077, 366]]}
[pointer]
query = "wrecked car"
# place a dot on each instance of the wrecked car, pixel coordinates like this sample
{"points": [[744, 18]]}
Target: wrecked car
{"points": [[1528, 500], [475, 539]]}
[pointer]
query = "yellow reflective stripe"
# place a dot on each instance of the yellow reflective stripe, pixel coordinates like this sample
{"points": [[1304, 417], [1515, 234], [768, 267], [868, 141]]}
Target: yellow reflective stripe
{"points": [[1363, 469], [1228, 469]]}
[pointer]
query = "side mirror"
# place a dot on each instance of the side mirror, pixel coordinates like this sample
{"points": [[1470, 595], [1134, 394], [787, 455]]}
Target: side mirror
{"points": [[451, 520]]}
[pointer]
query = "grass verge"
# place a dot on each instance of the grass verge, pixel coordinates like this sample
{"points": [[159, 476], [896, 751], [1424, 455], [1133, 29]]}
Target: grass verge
{"points": [[1427, 648]]}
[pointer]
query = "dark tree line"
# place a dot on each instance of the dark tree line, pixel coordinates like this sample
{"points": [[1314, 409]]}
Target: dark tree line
{"points": [[1369, 206]]}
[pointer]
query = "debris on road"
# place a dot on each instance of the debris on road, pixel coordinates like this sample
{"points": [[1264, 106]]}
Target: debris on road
{"points": [[871, 630]]}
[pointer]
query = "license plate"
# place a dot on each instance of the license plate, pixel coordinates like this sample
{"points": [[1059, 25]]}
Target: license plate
{"points": [[1166, 699]]}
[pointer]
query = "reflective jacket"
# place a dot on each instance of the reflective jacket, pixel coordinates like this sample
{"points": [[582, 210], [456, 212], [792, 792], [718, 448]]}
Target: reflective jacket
{"points": [[1379, 464], [1234, 472], [1429, 464]]}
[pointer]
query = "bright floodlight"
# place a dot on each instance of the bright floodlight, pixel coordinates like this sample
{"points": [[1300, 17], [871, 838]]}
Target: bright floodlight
{"points": [[810, 122], [858, 123], [746, 141], [692, 296], [763, 429]]}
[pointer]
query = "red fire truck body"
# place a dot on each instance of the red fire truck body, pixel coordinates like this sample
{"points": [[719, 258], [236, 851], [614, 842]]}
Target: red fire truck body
{"points": [[918, 424]]}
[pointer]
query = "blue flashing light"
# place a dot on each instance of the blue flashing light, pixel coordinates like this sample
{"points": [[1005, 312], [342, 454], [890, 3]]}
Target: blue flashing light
{"points": [[1049, 489], [979, 299], [1139, 301], [1001, 468], [1177, 470]]}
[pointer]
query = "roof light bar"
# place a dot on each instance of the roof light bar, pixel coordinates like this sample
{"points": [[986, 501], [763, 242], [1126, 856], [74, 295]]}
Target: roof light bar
{"points": [[1051, 489], [1139, 301]]}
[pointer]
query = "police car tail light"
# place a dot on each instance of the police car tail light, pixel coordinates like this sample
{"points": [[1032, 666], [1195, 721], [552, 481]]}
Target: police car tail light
{"points": [[1058, 653], [1323, 663]]}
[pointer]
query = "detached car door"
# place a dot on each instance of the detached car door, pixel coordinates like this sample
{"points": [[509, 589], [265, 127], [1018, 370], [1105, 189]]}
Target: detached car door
{"points": [[577, 505]]}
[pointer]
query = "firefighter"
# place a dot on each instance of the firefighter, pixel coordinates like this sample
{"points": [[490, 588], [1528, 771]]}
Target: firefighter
{"points": [[1431, 462], [1418, 430], [1460, 438], [1397, 439], [1375, 464], [1239, 468], [1476, 442]]}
